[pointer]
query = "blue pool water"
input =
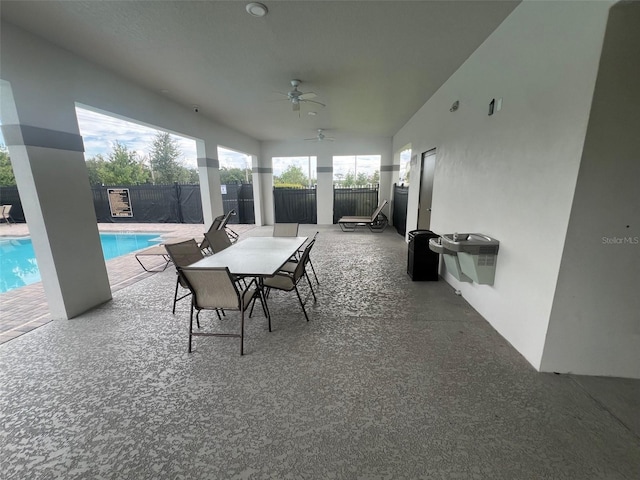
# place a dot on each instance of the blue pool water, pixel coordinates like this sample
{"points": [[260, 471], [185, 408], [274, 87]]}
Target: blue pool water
{"points": [[18, 266]]}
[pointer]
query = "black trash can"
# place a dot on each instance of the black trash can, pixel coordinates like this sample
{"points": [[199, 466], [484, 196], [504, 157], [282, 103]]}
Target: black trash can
{"points": [[422, 262]]}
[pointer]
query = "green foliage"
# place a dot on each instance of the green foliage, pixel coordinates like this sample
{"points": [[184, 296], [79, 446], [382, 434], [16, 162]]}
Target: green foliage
{"points": [[95, 166], [292, 176], [121, 168], [230, 176], [6, 170], [166, 168], [360, 180]]}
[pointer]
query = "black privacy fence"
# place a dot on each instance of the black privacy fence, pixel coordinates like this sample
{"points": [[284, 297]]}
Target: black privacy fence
{"points": [[295, 205], [356, 201], [400, 198], [152, 203]]}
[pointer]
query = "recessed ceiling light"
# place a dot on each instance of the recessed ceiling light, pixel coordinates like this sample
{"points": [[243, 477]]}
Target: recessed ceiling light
{"points": [[257, 9]]}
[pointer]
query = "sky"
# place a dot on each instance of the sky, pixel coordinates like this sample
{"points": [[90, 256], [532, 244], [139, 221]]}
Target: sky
{"points": [[100, 132]]}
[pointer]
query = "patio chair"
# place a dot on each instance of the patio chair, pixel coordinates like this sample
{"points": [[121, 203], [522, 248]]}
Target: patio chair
{"points": [[215, 289], [285, 230], [218, 240], [288, 281], [182, 254], [6, 214], [377, 222], [291, 265]]}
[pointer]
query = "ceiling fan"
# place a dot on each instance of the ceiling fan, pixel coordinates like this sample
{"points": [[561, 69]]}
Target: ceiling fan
{"points": [[321, 137], [296, 97]]}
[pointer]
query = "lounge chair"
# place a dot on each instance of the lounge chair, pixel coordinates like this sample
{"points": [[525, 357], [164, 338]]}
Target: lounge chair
{"points": [[157, 252], [233, 236], [377, 222], [6, 214], [219, 223]]}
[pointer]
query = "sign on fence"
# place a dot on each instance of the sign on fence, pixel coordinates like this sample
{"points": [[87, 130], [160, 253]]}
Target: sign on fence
{"points": [[119, 202]]}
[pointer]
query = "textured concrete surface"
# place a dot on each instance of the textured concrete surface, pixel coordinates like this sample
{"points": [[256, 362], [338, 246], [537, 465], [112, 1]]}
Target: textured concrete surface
{"points": [[389, 379]]}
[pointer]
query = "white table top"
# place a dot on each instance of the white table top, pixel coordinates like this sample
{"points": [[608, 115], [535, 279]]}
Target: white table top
{"points": [[254, 256]]}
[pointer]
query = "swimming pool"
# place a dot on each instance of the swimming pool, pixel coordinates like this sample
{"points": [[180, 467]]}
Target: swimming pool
{"points": [[18, 266]]}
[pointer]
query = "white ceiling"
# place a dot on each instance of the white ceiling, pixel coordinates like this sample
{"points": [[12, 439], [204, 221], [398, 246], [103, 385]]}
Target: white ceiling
{"points": [[373, 63]]}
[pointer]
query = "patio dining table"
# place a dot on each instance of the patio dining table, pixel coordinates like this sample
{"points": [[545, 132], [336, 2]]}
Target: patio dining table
{"points": [[258, 257]]}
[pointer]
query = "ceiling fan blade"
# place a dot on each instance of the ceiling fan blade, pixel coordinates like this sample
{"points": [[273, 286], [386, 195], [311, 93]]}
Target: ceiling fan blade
{"points": [[313, 101], [307, 96]]}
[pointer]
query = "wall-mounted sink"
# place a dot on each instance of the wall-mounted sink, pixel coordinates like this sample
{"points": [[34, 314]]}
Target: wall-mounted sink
{"points": [[469, 256], [435, 245], [473, 243]]}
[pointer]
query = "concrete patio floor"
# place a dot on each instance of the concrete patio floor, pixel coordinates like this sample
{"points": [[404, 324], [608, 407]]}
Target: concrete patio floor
{"points": [[389, 379]]}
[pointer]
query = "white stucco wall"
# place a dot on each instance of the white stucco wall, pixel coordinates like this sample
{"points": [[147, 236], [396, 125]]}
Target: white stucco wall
{"points": [[595, 320], [512, 175]]}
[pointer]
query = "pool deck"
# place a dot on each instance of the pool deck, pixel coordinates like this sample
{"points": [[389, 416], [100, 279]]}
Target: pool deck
{"points": [[24, 309]]}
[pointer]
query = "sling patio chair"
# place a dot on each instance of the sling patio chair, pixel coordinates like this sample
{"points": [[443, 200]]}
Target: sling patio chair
{"points": [[288, 281], [291, 264], [218, 240], [377, 222], [285, 229], [215, 289], [182, 254]]}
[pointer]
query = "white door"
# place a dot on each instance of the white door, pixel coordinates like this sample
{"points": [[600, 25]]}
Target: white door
{"points": [[428, 167]]}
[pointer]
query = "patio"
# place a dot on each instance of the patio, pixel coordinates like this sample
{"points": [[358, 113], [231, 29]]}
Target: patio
{"points": [[389, 379]]}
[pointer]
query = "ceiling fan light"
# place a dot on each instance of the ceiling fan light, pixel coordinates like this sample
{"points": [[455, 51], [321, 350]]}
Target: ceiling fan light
{"points": [[256, 9]]}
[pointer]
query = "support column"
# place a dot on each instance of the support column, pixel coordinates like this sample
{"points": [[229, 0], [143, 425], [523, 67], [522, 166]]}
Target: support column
{"points": [[258, 189], [263, 192], [388, 174], [324, 189], [53, 183]]}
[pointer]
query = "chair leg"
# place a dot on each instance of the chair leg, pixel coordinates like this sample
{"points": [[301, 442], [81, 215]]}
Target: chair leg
{"points": [[311, 287], [301, 304], [314, 271], [242, 331], [190, 327], [198, 319], [175, 296]]}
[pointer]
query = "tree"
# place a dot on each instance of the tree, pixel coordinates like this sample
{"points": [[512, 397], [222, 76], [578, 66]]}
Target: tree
{"points": [[6, 170], [165, 153], [293, 175], [95, 166], [234, 175]]}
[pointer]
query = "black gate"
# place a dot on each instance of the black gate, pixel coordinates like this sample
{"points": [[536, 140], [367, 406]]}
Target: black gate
{"points": [[356, 201], [295, 205], [400, 201]]}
